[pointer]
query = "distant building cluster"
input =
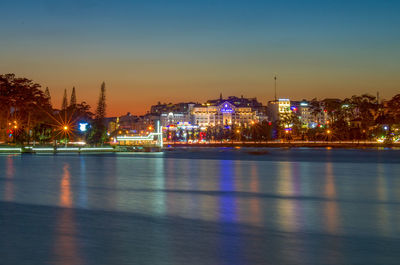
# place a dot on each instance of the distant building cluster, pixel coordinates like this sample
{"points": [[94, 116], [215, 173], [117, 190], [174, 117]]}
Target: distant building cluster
{"points": [[231, 111], [247, 119]]}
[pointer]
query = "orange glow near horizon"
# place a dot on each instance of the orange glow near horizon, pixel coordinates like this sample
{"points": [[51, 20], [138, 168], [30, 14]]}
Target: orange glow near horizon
{"points": [[123, 96]]}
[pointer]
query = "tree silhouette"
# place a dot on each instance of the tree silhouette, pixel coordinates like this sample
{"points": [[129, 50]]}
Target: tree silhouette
{"points": [[72, 102], [65, 101], [101, 105], [98, 134], [47, 95], [21, 104]]}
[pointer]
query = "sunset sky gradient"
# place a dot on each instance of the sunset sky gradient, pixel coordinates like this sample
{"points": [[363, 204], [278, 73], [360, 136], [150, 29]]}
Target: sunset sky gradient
{"points": [[171, 51]]}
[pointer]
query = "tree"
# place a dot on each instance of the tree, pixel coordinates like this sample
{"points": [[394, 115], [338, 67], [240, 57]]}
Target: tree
{"points": [[47, 95], [98, 133], [21, 106], [289, 123], [72, 102], [394, 108], [65, 101], [101, 105]]}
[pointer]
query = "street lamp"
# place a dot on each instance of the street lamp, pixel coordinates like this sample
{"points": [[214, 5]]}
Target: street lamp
{"points": [[65, 129]]}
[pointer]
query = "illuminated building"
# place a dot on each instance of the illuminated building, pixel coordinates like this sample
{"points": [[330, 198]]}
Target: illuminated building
{"points": [[173, 118], [276, 108], [225, 113], [231, 111], [302, 110]]}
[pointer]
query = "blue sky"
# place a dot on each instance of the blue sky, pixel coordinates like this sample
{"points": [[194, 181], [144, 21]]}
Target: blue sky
{"points": [[193, 50]]}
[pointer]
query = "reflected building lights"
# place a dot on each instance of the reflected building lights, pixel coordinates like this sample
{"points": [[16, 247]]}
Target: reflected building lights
{"points": [[255, 208], [82, 196], [227, 202], [286, 206], [66, 247], [331, 206], [159, 199], [65, 195], [383, 211], [208, 203], [9, 184]]}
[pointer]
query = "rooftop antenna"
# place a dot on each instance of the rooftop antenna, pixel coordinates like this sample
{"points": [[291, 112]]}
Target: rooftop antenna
{"points": [[275, 85]]}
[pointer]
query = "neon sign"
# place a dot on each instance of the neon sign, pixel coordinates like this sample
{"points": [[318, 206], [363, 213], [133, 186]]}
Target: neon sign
{"points": [[226, 109], [83, 126]]}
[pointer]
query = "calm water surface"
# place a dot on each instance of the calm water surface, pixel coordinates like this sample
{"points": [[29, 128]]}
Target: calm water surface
{"points": [[205, 206]]}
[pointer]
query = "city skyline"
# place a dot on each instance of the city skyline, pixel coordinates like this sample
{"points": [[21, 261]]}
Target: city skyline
{"points": [[178, 51]]}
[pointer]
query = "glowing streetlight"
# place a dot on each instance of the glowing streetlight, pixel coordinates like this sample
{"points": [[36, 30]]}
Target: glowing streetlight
{"points": [[328, 131], [65, 128]]}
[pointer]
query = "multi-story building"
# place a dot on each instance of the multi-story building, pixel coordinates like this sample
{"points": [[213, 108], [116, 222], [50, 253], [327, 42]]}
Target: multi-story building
{"points": [[173, 118], [277, 108], [302, 110], [231, 111]]}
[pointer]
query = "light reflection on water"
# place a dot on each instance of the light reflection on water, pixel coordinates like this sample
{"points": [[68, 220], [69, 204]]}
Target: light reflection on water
{"points": [[289, 200], [383, 212], [286, 194], [66, 246], [9, 184], [331, 211], [286, 207]]}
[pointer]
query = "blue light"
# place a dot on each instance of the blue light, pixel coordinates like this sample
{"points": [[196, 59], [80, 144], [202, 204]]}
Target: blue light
{"points": [[83, 126], [226, 110]]}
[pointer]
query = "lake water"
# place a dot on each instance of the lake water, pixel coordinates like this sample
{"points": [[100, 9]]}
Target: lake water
{"points": [[202, 206]]}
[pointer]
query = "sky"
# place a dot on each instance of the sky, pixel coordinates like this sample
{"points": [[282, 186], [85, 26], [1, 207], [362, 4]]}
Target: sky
{"points": [[148, 51]]}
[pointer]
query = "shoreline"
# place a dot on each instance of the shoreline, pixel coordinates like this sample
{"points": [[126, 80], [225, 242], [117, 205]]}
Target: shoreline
{"points": [[10, 149], [288, 145]]}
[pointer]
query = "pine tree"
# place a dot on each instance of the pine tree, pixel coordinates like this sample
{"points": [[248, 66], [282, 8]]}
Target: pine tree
{"points": [[72, 102], [47, 95], [65, 101], [101, 106], [98, 134]]}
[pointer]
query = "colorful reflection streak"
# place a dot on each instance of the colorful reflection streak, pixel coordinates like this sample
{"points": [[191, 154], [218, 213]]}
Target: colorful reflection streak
{"points": [[331, 210], [9, 184], [230, 246], [383, 212], [255, 207], [66, 250], [286, 205]]}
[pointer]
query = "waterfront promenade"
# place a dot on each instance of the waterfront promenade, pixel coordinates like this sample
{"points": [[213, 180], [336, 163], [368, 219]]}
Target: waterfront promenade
{"points": [[169, 145]]}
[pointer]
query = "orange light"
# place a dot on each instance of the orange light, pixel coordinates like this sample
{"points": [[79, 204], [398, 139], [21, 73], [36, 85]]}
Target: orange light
{"points": [[15, 126], [237, 131], [328, 131], [65, 128]]}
